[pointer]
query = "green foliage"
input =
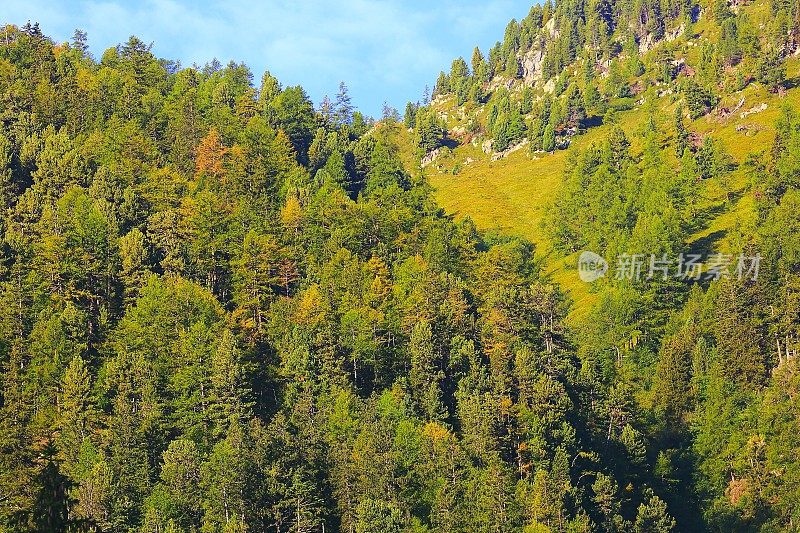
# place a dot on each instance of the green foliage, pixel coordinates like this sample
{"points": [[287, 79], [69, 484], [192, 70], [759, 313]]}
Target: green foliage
{"points": [[699, 100], [681, 134], [430, 130], [770, 70], [548, 139], [377, 516], [292, 112], [223, 310], [652, 517]]}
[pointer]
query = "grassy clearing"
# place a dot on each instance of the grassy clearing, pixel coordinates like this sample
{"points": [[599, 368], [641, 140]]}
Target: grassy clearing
{"points": [[512, 195]]}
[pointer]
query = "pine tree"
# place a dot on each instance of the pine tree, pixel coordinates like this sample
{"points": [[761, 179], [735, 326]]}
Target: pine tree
{"points": [[699, 100], [335, 171], [17, 472], [343, 106], [7, 186], [548, 139], [770, 70], [606, 499], [180, 477], [79, 42], [652, 517], [671, 388], [424, 375], [318, 151], [376, 516], [480, 70], [536, 136], [269, 90], [442, 86], [255, 277], [327, 112], [430, 131], [575, 111], [133, 258], [51, 509], [229, 403], [292, 111], [223, 479], [743, 360], [410, 115], [76, 413]]}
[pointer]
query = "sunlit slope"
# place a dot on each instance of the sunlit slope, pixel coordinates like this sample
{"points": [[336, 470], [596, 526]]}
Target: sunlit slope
{"points": [[511, 195]]}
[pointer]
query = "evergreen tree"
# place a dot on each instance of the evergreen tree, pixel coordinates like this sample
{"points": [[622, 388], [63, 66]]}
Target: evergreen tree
{"points": [[480, 70], [76, 413], [292, 112], [52, 506], [652, 517], [548, 139], [410, 115], [343, 106], [424, 375], [375, 516], [770, 70], [429, 131]]}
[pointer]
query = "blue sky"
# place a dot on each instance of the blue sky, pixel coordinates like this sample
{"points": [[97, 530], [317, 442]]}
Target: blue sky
{"points": [[382, 49]]}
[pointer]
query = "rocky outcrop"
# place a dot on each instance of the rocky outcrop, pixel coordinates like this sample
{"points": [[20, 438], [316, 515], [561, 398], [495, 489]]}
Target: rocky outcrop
{"points": [[458, 132], [675, 33], [754, 110], [501, 81], [603, 67], [648, 42], [430, 157], [681, 68], [749, 130], [501, 155], [552, 31], [532, 63], [724, 113]]}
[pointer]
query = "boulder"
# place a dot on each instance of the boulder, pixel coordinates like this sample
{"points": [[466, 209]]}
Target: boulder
{"points": [[754, 110], [510, 150], [430, 157]]}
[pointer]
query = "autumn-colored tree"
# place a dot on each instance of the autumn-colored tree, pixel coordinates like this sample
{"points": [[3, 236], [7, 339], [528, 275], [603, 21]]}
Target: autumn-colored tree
{"points": [[209, 156]]}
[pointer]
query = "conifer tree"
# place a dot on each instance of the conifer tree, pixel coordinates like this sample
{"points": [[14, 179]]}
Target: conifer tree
{"points": [[548, 139], [424, 375], [343, 105]]}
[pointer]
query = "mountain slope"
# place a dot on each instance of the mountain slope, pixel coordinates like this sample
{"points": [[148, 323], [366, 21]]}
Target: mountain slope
{"points": [[513, 193], [224, 310]]}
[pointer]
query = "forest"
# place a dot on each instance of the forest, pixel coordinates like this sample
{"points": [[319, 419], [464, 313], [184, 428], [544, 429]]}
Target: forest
{"points": [[224, 308]]}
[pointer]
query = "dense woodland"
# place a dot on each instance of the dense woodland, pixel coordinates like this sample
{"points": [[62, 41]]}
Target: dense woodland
{"points": [[226, 309]]}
